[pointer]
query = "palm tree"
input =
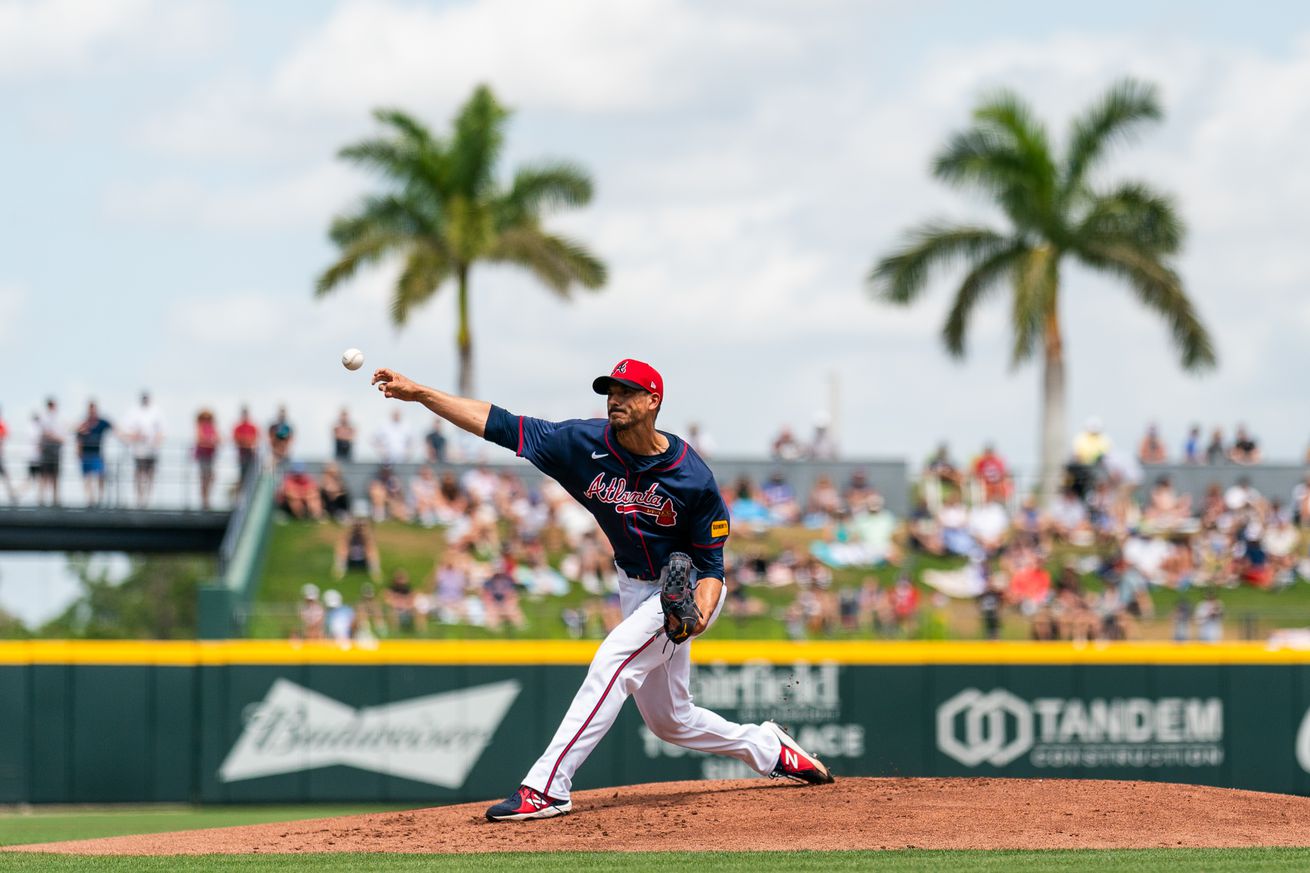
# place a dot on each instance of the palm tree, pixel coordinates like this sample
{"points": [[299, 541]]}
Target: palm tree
{"points": [[444, 210], [1054, 209]]}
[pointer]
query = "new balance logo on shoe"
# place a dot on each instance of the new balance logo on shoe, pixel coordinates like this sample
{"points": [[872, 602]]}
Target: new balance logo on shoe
{"points": [[795, 763]]}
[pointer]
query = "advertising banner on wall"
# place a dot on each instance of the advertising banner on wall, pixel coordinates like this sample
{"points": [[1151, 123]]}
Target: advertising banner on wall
{"points": [[438, 733]]}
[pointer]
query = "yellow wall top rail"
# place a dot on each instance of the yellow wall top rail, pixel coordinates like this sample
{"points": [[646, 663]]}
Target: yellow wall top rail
{"points": [[186, 653]]}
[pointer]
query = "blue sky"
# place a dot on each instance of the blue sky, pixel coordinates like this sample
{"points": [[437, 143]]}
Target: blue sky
{"points": [[169, 176]]}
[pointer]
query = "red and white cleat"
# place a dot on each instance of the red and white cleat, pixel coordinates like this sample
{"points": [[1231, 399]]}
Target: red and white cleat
{"points": [[526, 804], [795, 763]]}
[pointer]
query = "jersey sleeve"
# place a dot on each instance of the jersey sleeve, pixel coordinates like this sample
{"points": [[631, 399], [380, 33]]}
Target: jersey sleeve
{"points": [[709, 532], [529, 438]]}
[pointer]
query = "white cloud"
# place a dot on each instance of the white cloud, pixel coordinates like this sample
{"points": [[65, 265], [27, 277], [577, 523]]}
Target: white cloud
{"points": [[586, 56], [40, 37], [750, 164], [12, 299], [300, 198]]}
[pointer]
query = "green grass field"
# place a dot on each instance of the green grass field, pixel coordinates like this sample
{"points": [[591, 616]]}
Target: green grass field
{"points": [[300, 552], [70, 823], [904, 861], [19, 828]]}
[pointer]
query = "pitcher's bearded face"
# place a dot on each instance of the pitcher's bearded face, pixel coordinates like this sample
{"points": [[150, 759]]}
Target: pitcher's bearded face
{"points": [[628, 407]]}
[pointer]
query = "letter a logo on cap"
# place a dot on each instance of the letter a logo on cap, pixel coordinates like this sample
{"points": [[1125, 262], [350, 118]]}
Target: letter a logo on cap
{"points": [[622, 367]]}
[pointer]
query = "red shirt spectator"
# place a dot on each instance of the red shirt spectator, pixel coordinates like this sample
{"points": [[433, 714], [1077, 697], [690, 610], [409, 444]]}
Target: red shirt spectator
{"points": [[990, 471], [1030, 583], [245, 436]]}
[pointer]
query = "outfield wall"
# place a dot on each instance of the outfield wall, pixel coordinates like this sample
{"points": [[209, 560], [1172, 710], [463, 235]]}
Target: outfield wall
{"points": [[433, 722]]}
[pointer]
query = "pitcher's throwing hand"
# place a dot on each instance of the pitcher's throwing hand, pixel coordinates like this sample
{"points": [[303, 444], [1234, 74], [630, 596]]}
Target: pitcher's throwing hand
{"points": [[392, 384]]}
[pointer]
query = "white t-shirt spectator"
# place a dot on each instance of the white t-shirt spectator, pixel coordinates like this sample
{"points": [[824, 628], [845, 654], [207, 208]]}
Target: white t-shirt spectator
{"points": [[145, 431], [393, 442], [1068, 512], [989, 522], [1240, 496], [1146, 556], [953, 516], [479, 484]]}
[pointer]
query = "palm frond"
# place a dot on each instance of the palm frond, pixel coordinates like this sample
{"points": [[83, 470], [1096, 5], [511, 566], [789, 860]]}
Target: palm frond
{"points": [[386, 213], [366, 249], [901, 276], [386, 156], [476, 145], [978, 284], [425, 269], [545, 187], [1135, 214], [557, 262], [410, 128], [1125, 107], [1036, 284], [1160, 289], [1006, 155]]}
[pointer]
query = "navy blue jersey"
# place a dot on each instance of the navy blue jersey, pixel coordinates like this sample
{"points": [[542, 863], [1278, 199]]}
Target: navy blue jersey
{"points": [[648, 506]]}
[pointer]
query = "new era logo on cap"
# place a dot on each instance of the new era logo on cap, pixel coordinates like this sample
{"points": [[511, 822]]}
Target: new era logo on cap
{"points": [[634, 374]]}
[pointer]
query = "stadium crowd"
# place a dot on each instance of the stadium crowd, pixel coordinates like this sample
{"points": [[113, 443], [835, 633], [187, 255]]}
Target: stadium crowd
{"points": [[971, 535], [1082, 568]]}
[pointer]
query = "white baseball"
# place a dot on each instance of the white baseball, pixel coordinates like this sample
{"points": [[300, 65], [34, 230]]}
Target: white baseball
{"points": [[352, 359]]}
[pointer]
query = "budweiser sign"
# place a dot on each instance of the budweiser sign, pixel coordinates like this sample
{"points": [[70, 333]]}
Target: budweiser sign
{"points": [[615, 492], [435, 739]]}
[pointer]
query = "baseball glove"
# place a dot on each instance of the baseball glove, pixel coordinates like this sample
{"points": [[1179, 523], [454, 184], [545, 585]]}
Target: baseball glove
{"points": [[678, 598]]}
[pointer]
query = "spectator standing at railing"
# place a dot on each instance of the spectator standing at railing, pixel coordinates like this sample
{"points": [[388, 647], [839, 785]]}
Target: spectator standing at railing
{"points": [[701, 443], [4, 474], [1245, 450], [1214, 451], [280, 436], [90, 451], [823, 446], [786, 447], [245, 436], [1192, 448], [1090, 446], [942, 467], [992, 476], [435, 442], [144, 432], [206, 448], [1152, 450], [51, 445], [392, 441], [34, 462], [343, 437]]}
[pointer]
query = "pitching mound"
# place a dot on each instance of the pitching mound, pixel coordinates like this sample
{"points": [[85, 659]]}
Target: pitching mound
{"points": [[756, 814]]}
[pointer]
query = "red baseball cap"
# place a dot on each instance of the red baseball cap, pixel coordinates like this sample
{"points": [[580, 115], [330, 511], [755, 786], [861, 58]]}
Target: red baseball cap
{"points": [[634, 374]]}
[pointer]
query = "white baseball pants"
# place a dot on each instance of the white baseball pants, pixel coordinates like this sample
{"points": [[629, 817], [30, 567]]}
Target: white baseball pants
{"points": [[637, 659]]}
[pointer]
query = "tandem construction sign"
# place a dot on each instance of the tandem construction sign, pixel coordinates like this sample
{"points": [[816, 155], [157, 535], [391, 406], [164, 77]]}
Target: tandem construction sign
{"points": [[997, 727]]}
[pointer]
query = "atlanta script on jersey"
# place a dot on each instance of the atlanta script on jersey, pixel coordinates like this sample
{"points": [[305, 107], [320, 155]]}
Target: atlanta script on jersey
{"points": [[648, 506]]}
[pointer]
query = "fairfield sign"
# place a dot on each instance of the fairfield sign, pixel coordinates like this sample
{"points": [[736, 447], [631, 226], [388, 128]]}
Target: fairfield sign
{"points": [[434, 739]]}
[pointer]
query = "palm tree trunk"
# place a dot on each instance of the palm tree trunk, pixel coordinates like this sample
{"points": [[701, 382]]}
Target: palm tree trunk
{"points": [[1053, 417], [464, 337]]}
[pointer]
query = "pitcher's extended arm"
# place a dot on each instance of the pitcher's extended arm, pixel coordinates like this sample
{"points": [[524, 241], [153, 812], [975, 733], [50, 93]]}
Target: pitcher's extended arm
{"points": [[471, 415]]}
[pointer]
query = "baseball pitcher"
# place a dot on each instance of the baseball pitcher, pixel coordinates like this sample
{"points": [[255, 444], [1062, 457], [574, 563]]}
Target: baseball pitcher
{"points": [[658, 504]]}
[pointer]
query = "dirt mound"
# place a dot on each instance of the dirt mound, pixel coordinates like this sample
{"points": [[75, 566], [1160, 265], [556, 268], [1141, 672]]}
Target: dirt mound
{"points": [[755, 815]]}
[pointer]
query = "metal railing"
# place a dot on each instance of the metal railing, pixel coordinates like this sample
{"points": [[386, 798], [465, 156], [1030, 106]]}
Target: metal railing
{"points": [[175, 483]]}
